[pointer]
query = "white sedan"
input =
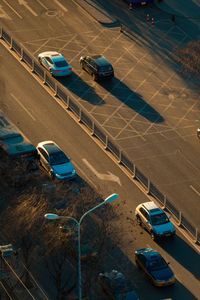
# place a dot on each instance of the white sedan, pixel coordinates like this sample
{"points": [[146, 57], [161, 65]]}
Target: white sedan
{"points": [[55, 63]]}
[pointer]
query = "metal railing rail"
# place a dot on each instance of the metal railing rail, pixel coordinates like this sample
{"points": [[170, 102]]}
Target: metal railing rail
{"points": [[96, 130]]}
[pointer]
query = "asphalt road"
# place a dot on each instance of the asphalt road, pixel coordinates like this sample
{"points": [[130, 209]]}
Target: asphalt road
{"points": [[40, 117], [149, 109]]}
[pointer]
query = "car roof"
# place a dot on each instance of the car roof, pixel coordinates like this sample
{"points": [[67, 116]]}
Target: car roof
{"points": [[100, 60], [49, 146], [15, 149], [50, 53], [149, 253], [7, 133], [150, 205]]}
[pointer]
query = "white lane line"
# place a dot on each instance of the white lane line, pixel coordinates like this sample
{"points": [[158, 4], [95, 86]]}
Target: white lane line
{"points": [[3, 14], [24, 3], [15, 98], [42, 4], [61, 6], [198, 193], [8, 4]]}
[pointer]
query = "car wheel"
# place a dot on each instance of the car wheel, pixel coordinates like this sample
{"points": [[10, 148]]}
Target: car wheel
{"points": [[82, 65], [138, 265], [138, 220], [153, 236], [94, 77], [51, 174]]}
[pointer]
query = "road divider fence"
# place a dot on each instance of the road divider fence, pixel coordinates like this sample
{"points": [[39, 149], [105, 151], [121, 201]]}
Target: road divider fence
{"points": [[98, 132]]}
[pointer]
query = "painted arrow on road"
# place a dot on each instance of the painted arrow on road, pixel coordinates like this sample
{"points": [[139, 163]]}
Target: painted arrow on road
{"points": [[24, 3], [110, 176]]}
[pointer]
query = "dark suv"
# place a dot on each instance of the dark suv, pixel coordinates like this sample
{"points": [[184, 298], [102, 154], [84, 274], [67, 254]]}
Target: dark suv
{"points": [[98, 66]]}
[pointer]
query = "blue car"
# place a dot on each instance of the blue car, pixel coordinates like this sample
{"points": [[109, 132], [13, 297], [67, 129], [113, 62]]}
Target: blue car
{"points": [[55, 63], [154, 266], [56, 163]]}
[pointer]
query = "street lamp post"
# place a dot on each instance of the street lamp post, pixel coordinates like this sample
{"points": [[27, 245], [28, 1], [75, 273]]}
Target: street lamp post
{"points": [[51, 216]]}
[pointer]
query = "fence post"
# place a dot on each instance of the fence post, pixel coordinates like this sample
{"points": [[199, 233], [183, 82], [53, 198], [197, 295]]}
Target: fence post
{"points": [[22, 53], [165, 202], [56, 90], [180, 218], [92, 132], [120, 157], [106, 144], [148, 186], [11, 43], [196, 235], [134, 171], [45, 75], [80, 114], [67, 102], [33, 66]]}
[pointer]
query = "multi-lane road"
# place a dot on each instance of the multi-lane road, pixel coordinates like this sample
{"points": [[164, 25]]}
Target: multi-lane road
{"points": [[40, 117], [148, 109]]}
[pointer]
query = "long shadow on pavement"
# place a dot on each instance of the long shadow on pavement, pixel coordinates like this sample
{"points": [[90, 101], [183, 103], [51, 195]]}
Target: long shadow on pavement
{"points": [[184, 254], [132, 99], [82, 89]]}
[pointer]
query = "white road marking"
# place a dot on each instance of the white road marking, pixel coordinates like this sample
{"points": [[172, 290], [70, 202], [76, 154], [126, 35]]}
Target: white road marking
{"points": [[42, 45], [8, 4], [109, 177], [3, 14], [15, 98], [44, 6], [61, 6], [198, 193], [24, 3]]}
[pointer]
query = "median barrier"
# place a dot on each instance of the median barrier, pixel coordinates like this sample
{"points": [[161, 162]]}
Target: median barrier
{"points": [[96, 130]]}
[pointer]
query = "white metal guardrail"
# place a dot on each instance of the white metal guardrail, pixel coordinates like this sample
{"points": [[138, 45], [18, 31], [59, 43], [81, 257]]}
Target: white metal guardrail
{"points": [[96, 130]]}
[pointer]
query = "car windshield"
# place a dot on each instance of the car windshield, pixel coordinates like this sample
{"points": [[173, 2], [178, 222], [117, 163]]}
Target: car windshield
{"points": [[61, 63], [105, 68], [158, 219], [58, 158], [157, 263]]}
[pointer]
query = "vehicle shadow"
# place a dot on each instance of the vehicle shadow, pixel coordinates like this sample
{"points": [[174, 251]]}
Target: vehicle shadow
{"points": [[115, 258], [79, 87], [131, 99], [184, 254]]}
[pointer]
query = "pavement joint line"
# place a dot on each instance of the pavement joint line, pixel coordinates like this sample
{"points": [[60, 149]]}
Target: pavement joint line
{"points": [[86, 46], [8, 4], [69, 41], [58, 18], [135, 130], [183, 118], [41, 46]]}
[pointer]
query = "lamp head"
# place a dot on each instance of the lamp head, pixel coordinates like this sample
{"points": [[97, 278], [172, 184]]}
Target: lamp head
{"points": [[50, 216], [111, 198]]}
